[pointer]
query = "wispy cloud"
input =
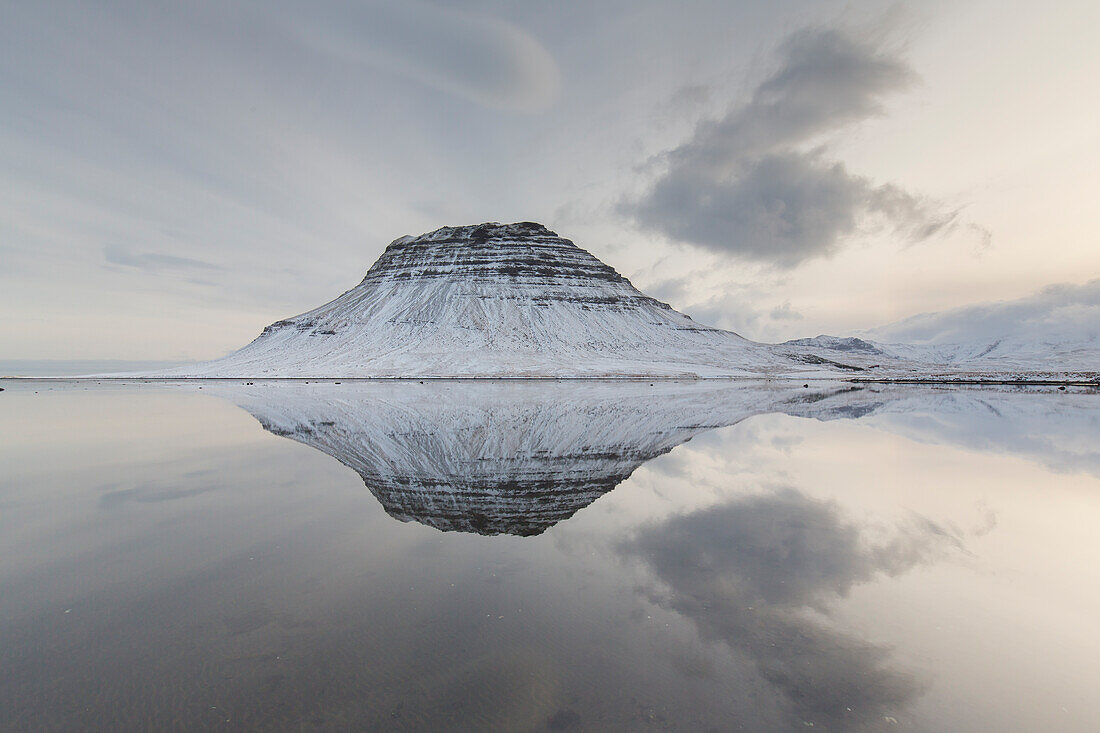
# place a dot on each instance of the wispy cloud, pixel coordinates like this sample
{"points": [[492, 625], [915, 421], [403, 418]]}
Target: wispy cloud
{"points": [[484, 59], [758, 183], [153, 261], [729, 305]]}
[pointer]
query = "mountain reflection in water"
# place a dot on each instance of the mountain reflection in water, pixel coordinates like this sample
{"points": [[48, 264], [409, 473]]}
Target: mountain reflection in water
{"points": [[495, 457]]}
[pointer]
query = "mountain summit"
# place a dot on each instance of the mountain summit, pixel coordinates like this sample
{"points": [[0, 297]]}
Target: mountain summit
{"points": [[496, 300]]}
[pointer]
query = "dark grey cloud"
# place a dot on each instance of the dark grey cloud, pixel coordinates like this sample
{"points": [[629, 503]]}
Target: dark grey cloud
{"points": [[759, 184], [746, 574], [153, 261]]}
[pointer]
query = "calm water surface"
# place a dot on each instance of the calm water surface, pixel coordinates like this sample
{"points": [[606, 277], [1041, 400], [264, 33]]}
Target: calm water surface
{"points": [[558, 556]]}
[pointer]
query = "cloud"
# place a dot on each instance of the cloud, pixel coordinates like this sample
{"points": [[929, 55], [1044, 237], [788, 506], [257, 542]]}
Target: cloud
{"points": [[758, 183], [747, 573], [484, 59], [153, 261], [148, 495], [785, 313], [690, 96], [735, 307], [780, 549], [1062, 314]]}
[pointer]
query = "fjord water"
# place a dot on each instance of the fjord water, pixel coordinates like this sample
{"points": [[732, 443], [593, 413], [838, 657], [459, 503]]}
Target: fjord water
{"points": [[547, 556]]}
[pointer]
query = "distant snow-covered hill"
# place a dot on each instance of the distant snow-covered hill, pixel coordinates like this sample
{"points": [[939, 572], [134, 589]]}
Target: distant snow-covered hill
{"points": [[1056, 330]]}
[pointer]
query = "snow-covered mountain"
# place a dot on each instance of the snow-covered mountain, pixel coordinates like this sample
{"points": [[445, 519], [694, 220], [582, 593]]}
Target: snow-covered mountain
{"points": [[499, 300]]}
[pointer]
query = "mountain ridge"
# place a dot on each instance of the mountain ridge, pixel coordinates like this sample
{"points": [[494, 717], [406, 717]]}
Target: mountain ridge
{"points": [[497, 300]]}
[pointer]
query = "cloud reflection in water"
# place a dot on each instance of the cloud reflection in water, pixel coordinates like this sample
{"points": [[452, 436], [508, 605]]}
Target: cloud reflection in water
{"points": [[755, 574]]}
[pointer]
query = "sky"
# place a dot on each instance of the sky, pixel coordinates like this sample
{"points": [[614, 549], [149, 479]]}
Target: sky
{"points": [[175, 176]]}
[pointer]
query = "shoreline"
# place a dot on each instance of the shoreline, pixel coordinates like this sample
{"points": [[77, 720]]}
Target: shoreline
{"points": [[926, 381]]}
